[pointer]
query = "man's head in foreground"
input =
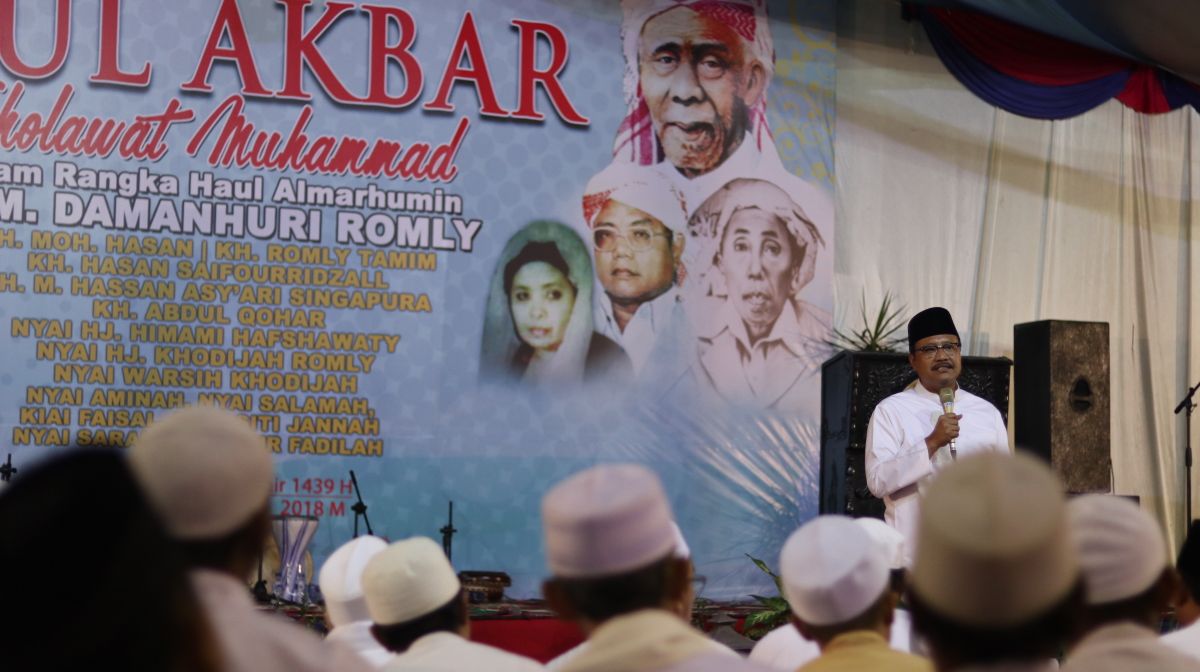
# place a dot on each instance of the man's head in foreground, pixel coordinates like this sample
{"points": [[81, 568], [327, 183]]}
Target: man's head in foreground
{"points": [[996, 576], [611, 546], [208, 474]]}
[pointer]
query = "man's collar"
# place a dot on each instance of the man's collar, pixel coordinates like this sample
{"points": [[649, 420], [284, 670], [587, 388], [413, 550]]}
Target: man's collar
{"points": [[855, 639], [604, 306], [934, 396], [786, 328]]}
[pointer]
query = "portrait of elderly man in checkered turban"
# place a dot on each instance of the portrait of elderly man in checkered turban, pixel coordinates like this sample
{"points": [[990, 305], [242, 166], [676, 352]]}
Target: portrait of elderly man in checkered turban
{"points": [[697, 74]]}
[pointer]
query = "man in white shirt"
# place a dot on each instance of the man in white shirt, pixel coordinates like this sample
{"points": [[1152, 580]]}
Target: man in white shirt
{"points": [[208, 474], [420, 613], [911, 436], [610, 548], [345, 606], [1127, 585], [1187, 605]]}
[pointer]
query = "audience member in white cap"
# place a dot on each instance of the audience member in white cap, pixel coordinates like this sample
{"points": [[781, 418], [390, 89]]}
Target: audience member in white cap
{"points": [[1127, 585], [345, 606], [683, 607], [420, 613], [785, 649], [611, 550], [1187, 604], [837, 580], [892, 542], [208, 475], [995, 581]]}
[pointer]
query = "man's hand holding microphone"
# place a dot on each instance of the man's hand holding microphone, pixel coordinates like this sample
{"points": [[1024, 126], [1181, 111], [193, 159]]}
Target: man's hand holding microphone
{"points": [[945, 431]]}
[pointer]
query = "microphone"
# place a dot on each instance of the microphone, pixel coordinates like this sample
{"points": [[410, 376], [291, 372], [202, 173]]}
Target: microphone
{"points": [[946, 395]]}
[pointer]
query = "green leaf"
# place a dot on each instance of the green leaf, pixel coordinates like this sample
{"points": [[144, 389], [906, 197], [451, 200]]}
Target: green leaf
{"points": [[878, 331], [777, 604], [763, 567], [757, 618]]}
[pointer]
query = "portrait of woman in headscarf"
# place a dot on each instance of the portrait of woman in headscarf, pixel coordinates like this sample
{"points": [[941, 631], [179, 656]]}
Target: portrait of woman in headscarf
{"points": [[538, 325]]}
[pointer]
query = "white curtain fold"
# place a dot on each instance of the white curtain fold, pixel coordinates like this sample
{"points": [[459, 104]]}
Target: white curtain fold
{"points": [[945, 200]]}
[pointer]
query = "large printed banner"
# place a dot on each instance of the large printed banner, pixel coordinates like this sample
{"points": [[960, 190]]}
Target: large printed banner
{"points": [[461, 249]]}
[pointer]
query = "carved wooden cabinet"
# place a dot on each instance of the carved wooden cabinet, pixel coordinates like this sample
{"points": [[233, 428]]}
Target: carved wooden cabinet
{"points": [[852, 383]]}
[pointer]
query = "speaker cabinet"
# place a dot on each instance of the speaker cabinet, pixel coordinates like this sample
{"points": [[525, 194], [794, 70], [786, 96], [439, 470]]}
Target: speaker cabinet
{"points": [[852, 383], [1061, 399]]}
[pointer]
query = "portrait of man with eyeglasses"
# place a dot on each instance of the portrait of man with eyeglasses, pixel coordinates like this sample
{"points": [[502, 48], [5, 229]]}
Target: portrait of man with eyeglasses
{"points": [[636, 221], [914, 433]]}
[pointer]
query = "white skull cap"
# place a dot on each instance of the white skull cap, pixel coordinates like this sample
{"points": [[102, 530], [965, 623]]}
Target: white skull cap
{"points": [[606, 520], [681, 549], [407, 580], [205, 470], [832, 570], [341, 580], [1122, 551]]}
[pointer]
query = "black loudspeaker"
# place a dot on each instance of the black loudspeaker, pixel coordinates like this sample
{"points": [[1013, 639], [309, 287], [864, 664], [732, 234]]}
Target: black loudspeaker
{"points": [[1061, 399], [852, 383]]}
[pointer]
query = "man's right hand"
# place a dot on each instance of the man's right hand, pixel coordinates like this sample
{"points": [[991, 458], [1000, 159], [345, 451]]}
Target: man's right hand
{"points": [[945, 429]]}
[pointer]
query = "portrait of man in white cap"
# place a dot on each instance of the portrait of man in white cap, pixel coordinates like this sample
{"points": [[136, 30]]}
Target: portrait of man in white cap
{"points": [[208, 474], [420, 613], [838, 583], [1128, 584], [996, 581], [911, 436], [758, 342], [637, 223], [611, 550], [346, 612]]}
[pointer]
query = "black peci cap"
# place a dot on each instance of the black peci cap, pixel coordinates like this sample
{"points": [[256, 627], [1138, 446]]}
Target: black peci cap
{"points": [[930, 322]]}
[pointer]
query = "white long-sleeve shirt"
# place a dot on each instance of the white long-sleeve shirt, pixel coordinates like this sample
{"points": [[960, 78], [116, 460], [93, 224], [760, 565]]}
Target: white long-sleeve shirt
{"points": [[898, 462], [1185, 640]]}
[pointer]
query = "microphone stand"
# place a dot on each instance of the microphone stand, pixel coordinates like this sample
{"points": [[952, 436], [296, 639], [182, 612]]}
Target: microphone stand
{"points": [[261, 594], [448, 531], [359, 508], [7, 470], [1187, 405]]}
